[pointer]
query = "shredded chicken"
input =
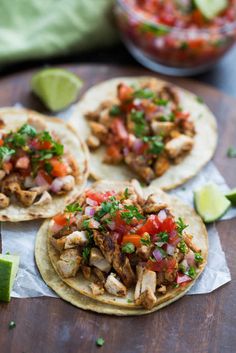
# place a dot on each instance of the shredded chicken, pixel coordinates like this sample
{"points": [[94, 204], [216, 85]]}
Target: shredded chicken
{"points": [[4, 201], [106, 245], [76, 238], [179, 145], [96, 289], [162, 128], [147, 299], [44, 199], [96, 259], [123, 268], [93, 142], [145, 288], [115, 287], [26, 197], [161, 165], [69, 263], [153, 204]]}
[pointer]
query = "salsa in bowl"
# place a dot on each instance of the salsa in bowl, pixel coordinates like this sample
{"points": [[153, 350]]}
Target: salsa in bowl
{"points": [[179, 37]]}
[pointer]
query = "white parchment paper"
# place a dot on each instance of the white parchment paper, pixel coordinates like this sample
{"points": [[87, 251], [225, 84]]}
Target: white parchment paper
{"points": [[19, 239]]}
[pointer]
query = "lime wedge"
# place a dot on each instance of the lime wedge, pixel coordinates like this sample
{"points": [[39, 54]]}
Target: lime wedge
{"points": [[210, 203], [231, 196], [211, 8], [57, 88], [8, 269]]}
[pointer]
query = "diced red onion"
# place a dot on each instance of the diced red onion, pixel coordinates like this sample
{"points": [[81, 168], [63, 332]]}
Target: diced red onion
{"points": [[40, 181], [162, 215], [137, 145], [157, 254], [159, 243], [91, 202], [89, 211], [170, 249], [56, 185], [182, 279], [125, 151], [94, 224]]}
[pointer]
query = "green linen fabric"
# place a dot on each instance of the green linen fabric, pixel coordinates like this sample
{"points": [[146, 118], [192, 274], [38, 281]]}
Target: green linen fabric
{"points": [[35, 29]]}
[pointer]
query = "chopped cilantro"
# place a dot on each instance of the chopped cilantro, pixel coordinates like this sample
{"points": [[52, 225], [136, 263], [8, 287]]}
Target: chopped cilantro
{"points": [[130, 213], [126, 193], [48, 167], [155, 143], [6, 152], [100, 342], [198, 257], [231, 153], [183, 247], [191, 272], [182, 268], [45, 136], [115, 110], [107, 207], [167, 118], [74, 207], [199, 99], [146, 240], [128, 248], [85, 253], [157, 30], [140, 123], [57, 149], [16, 139], [85, 224], [181, 226], [27, 130], [163, 236], [11, 325], [145, 93], [160, 101]]}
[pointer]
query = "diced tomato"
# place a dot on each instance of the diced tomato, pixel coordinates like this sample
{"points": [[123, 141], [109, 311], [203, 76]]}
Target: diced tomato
{"points": [[182, 115], [22, 162], [125, 93], [63, 219], [44, 175], [168, 225], [44, 145], [1, 142], [170, 264], [119, 129], [113, 151], [59, 169], [181, 278], [151, 226], [198, 18], [156, 266], [121, 226], [99, 196], [7, 167], [132, 238]]}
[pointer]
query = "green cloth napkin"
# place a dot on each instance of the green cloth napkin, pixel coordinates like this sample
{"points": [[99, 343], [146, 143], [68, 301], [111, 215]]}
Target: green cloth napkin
{"points": [[34, 29]]}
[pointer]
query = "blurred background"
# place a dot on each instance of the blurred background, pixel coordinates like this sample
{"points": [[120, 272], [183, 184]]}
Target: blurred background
{"points": [[36, 33]]}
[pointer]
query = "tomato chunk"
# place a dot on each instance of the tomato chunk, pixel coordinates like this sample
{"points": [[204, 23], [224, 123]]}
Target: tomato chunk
{"points": [[132, 238], [151, 226], [59, 169], [125, 93], [1, 142], [99, 197]]}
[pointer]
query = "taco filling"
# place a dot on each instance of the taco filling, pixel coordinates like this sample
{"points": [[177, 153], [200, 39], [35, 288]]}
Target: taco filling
{"points": [[143, 127], [119, 240], [34, 166]]}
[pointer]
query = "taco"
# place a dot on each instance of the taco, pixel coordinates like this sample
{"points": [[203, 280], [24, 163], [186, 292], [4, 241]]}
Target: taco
{"points": [[43, 165], [126, 249], [145, 128]]}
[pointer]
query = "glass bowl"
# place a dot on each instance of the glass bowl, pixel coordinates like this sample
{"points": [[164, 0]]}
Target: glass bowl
{"points": [[171, 50]]}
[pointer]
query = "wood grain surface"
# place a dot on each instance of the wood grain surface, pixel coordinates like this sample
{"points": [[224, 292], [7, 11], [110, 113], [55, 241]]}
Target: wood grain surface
{"points": [[194, 324]]}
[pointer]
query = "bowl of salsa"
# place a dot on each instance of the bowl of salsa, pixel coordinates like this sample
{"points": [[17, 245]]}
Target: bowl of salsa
{"points": [[177, 37]]}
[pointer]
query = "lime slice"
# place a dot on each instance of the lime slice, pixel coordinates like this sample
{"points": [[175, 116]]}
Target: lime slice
{"points": [[211, 8], [8, 268], [210, 203], [231, 196], [57, 88]]}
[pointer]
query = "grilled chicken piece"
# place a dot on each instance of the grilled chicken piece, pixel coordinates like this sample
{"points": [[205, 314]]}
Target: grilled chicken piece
{"points": [[39, 189], [96, 289], [99, 130], [144, 252], [86, 270], [179, 145], [170, 93], [76, 238], [138, 191], [188, 241], [58, 243], [147, 299], [29, 182], [99, 274], [162, 289], [4, 201], [153, 204], [26, 197], [44, 199], [114, 286], [145, 288], [38, 124], [161, 165], [188, 127], [140, 167], [123, 268], [69, 263], [96, 259], [105, 244], [68, 182], [93, 142], [162, 128], [2, 174], [10, 187]]}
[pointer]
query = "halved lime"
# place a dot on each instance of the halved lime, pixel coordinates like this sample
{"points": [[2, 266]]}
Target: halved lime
{"points": [[211, 8], [210, 203], [56, 87], [231, 196], [8, 269]]}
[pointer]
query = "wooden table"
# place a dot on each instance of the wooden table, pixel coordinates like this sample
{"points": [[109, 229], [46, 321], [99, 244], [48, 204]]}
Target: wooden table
{"points": [[194, 324]]}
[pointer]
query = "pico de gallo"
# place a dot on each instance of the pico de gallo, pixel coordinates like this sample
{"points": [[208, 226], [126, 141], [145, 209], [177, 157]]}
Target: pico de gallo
{"points": [[144, 127], [178, 33], [33, 166], [118, 240]]}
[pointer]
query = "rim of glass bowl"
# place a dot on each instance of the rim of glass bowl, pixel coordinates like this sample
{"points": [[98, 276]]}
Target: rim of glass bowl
{"points": [[228, 27]]}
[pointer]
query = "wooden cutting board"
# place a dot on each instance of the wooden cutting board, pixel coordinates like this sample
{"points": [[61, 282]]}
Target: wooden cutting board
{"points": [[194, 324]]}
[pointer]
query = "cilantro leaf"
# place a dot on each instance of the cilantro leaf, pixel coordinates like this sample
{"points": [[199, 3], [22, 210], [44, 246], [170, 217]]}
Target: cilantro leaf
{"points": [[183, 247], [191, 272], [145, 93], [130, 213], [157, 30], [198, 257], [161, 102], [74, 207], [231, 153], [128, 248], [146, 240], [155, 143], [107, 207], [45, 136], [168, 118], [115, 110], [181, 226], [138, 118], [100, 342], [6, 152], [86, 253], [48, 167], [163, 236], [27, 130]]}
